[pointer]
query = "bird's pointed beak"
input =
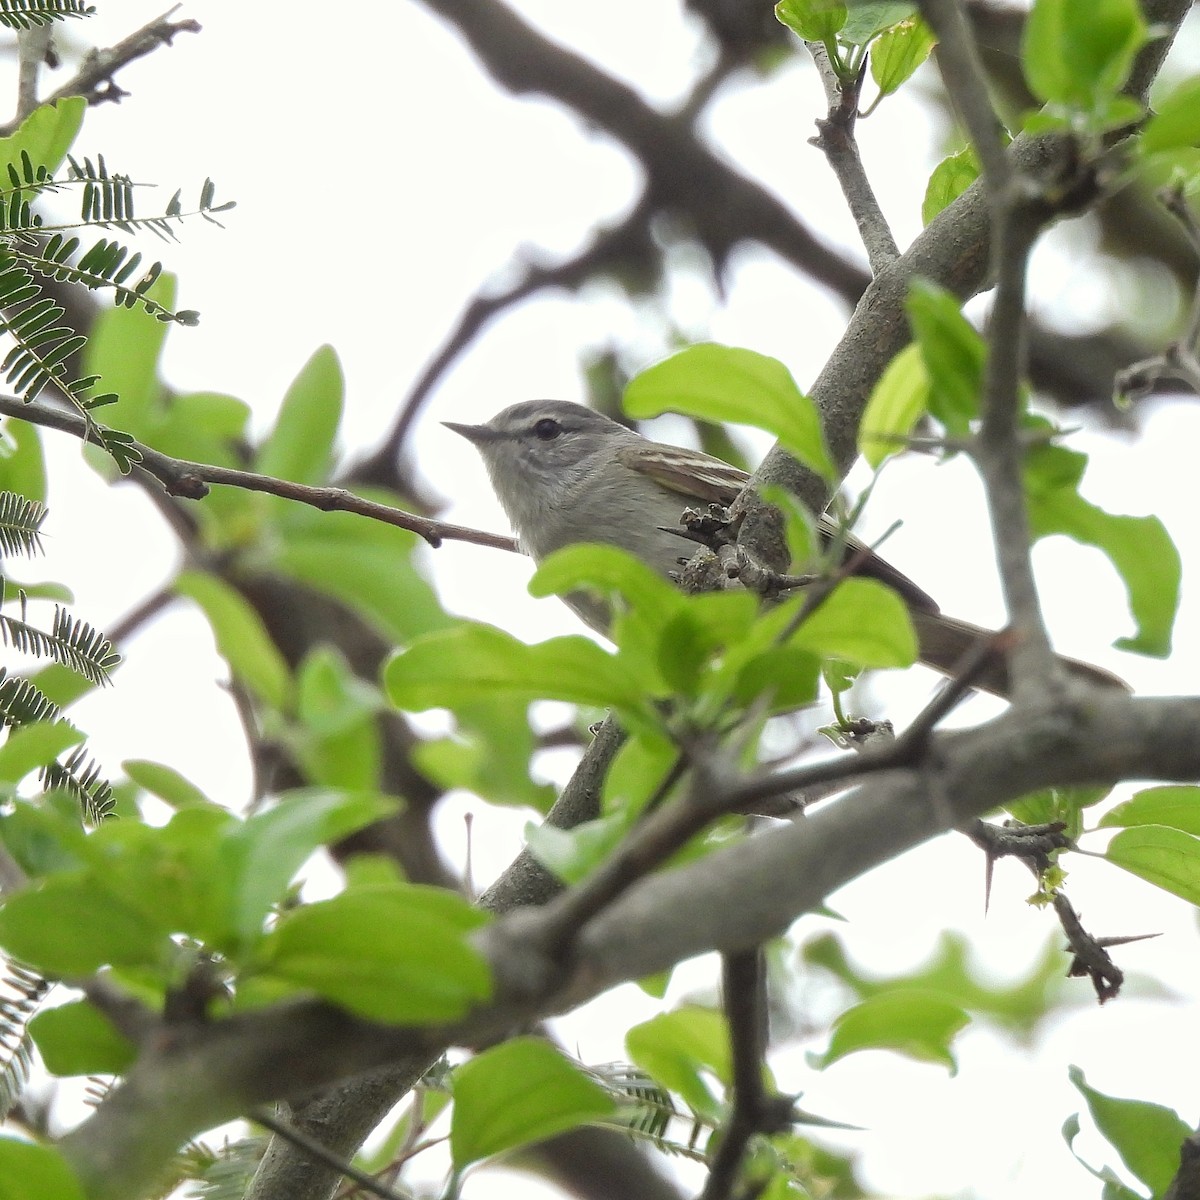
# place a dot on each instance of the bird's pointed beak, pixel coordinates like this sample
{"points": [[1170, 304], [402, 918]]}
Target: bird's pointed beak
{"points": [[477, 435]]}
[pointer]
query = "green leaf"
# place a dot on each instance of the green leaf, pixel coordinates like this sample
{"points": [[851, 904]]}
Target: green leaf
{"points": [[912, 1021], [28, 1171], [1176, 123], [489, 754], [264, 852], [519, 1092], [607, 571], [463, 665], [398, 954], [22, 464], [1167, 858], [950, 178], [952, 972], [863, 621], [30, 747], [242, 639], [812, 20], [166, 783], [123, 349], [869, 19], [300, 446], [330, 698], [954, 353], [899, 51], [1147, 1136], [897, 403], [1064, 804], [723, 383], [366, 564], [572, 854], [45, 135], [1079, 51], [1175, 806], [74, 1039], [65, 927], [679, 1048], [1139, 547]]}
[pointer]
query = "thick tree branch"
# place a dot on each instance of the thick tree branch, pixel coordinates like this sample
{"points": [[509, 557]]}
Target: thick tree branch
{"points": [[200, 1074], [723, 206]]}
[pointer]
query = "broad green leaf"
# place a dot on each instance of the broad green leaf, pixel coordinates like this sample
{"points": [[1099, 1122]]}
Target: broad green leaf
{"points": [[45, 135], [1175, 806], [921, 1024], [680, 1048], [519, 1092], [1147, 1136], [1077, 52], [897, 403], [29, 1171], [899, 51], [472, 662], [488, 754], [65, 927], [954, 353], [206, 427], [1064, 804], [241, 637], [264, 852], [330, 698], [1167, 858], [785, 677], [46, 836], [366, 564], [572, 854], [398, 954], [637, 772], [1138, 547], [607, 571], [953, 973], [29, 747], [950, 178], [863, 621], [123, 348], [724, 383], [300, 446], [1114, 1189], [166, 783], [74, 1039], [1176, 168], [872, 17], [1176, 122], [812, 20], [22, 464]]}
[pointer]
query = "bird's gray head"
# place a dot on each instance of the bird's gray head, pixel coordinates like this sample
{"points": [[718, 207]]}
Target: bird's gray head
{"points": [[542, 448]]}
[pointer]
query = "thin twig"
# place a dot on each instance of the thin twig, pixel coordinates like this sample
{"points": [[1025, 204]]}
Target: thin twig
{"points": [[835, 139], [94, 79], [190, 481], [1017, 217]]}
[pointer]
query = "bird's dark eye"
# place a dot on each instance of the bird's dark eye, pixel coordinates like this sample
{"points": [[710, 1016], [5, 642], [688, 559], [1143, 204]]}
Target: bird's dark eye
{"points": [[546, 429]]}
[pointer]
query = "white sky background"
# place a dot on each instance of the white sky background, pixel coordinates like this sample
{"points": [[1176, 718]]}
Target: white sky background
{"points": [[440, 179]]}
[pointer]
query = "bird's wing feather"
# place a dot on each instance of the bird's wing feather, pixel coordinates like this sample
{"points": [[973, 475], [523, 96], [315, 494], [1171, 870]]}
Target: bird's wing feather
{"points": [[690, 473], [701, 477]]}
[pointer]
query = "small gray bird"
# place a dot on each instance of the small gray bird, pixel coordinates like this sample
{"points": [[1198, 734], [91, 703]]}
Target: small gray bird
{"points": [[566, 474]]}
